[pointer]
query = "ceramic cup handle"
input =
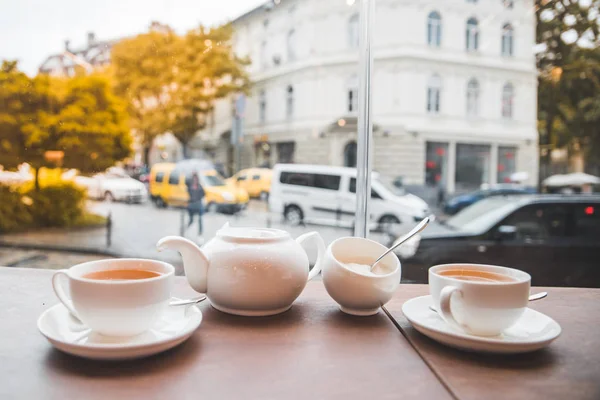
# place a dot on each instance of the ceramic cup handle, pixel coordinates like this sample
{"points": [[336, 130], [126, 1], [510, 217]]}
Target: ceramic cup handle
{"points": [[445, 311], [320, 251], [60, 292]]}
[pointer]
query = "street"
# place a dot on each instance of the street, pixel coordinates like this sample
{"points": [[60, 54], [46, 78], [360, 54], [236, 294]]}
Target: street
{"points": [[137, 227]]}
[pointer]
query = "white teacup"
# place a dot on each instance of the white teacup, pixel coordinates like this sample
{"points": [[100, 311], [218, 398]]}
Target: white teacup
{"points": [[359, 293], [481, 300], [125, 307]]}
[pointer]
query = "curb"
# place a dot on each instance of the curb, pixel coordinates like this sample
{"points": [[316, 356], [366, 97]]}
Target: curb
{"points": [[64, 249]]}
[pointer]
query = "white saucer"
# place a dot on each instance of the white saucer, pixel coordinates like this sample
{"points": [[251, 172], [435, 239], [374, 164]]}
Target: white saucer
{"points": [[533, 331], [69, 335]]}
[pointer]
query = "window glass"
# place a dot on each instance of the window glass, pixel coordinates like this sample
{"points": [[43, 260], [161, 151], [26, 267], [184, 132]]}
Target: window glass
{"points": [[483, 215], [472, 165], [262, 106], [352, 92], [434, 88], [507, 40], [211, 180], [174, 177], [289, 102], [434, 29], [291, 45], [540, 221], [331, 182], [587, 221], [507, 163], [472, 101], [352, 189], [473, 97], [507, 100], [472, 34], [353, 31], [297, 178]]}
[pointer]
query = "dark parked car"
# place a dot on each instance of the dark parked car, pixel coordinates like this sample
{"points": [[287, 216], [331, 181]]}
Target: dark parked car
{"points": [[460, 202], [556, 239]]}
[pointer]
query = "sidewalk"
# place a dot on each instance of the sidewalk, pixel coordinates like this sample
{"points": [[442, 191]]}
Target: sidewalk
{"points": [[137, 228]]}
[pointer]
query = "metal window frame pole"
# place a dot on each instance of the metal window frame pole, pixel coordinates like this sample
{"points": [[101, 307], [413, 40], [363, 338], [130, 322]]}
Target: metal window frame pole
{"points": [[365, 123]]}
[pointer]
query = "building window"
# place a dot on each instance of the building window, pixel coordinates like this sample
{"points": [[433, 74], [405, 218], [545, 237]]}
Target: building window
{"points": [[508, 98], [434, 29], [507, 40], [434, 87], [285, 152], [473, 97], [350, 155], [352, 92], [436, 163], [263, 55], [472, 166], [289, 102], [262, 106], [507, 164], [472, 1], [353, 31], [291, 45], [508, 3], [472, 33]]}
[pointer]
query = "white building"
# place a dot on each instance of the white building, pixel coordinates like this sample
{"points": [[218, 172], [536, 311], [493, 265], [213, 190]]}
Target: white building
{"points": [[454, 95]]}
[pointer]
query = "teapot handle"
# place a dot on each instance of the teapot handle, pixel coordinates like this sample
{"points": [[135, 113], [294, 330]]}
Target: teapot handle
{"points": [[320, 251]]}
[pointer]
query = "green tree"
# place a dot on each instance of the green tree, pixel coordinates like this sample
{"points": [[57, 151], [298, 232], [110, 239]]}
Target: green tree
{"points": [[569, 76], [171, 82], [80, 117], [207, 70], [143, 67]]}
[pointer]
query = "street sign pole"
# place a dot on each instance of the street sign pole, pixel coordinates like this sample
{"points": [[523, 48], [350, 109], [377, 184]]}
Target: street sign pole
{"points": [[365, 123], [240, 105]]}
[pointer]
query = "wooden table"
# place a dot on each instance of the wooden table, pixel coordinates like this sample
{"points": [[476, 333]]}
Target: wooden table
{"points": [[311, 351]]}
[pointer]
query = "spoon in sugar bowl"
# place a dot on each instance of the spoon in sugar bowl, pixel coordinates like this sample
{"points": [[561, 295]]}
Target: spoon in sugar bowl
{"points": [[417, 229]]}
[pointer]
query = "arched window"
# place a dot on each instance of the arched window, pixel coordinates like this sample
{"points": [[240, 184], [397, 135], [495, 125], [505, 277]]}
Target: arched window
{"points": [[350, 155], [508, 99], [291, 45], [434, 88], [263, 54], [352, 93], [507, 40], [353, 31], [473, 97], [434, 29], [508, 3], [262, 106], [289, 102], [472, 33]]}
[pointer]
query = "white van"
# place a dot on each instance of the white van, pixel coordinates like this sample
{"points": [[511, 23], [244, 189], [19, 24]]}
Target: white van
{"points": [[327, 195]]}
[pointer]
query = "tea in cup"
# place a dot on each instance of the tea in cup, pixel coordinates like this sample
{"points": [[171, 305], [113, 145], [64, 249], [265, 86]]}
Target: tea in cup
{"points": [[479, 299], [350, 282], [116, 297]]}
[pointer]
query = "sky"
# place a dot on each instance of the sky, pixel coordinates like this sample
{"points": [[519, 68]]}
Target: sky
{"points": [[31, 30]]}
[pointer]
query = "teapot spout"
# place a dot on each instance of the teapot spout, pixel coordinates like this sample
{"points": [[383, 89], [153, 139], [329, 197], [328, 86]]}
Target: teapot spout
{"points": [[195, 262]]}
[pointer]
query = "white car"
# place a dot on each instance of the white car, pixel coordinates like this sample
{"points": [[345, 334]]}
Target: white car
{"points": [[113, 187], [325, 194]]}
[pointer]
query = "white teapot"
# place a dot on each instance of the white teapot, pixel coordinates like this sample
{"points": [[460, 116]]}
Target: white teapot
{"points": [[248, 271]]}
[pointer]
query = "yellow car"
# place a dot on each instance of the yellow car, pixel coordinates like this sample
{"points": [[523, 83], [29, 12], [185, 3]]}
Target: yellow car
{"points": [[168, 187], [256, 181]]}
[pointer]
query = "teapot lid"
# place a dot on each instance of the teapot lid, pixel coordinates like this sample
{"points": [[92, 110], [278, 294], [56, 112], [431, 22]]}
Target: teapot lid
{"points": [[251, 235]]}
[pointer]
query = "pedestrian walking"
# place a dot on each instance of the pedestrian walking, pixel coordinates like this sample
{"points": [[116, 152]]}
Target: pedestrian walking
{"points": [[195, 205]]}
